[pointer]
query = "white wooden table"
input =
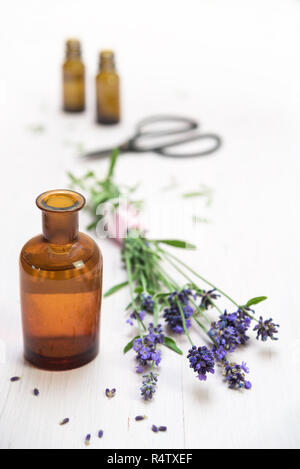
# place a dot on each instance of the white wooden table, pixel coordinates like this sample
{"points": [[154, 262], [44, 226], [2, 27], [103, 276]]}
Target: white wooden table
{"points": [[235, 66]]}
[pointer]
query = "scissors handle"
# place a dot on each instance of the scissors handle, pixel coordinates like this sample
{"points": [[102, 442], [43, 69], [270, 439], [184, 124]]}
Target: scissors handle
{"points": [[186, 124], [146, 129], [163, 150]]}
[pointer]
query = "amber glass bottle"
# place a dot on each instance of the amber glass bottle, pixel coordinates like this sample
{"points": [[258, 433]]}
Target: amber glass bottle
{"points": [[73, 78], [61, 287], [107, 90]]}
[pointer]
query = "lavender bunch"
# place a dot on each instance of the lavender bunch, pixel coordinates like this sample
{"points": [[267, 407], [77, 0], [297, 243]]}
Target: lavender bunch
{"points": [[154, 294]]}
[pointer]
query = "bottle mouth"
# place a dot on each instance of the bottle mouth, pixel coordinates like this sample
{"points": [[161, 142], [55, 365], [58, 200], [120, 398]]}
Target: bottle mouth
{"points": [[60, 200], [107, 54]]}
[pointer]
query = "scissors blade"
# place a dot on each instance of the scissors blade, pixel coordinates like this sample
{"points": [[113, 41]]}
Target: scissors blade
{"points": [[98, 154]]}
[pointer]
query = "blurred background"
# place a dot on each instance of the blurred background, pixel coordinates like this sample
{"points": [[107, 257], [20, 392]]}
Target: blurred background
{"points": [[231, 65]]}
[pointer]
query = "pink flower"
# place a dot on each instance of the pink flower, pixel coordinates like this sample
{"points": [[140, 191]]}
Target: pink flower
{"points": [[120, 220]]}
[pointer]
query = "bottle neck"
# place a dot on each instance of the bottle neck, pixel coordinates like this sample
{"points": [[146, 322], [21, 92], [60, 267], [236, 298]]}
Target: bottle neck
{"points": [[73, 49], [60, 215], [107, 62], [60, 228]]}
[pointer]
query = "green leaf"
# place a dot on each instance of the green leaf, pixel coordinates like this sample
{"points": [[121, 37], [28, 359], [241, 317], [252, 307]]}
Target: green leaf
{"points": [[193, 194], [89, 174], [170, 343], [100, 197], [176, 243], [113, 160], [162, 295], [255, 301], [115, 288], [129, 345], [75, 181]]}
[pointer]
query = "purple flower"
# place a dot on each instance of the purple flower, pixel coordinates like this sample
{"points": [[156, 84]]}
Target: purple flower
{"points": [[202, 361], [147, 303], [235, 375], [207, 298], [156, 357], [149, 385], [141, 314], [156, 335], [172, 314], [145, 347], [229, 332], [266, 329], [219, 352]]}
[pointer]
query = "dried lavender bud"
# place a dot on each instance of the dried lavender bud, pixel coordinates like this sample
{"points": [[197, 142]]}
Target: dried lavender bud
{"points": [[36, 392], [15, 378], [140, 417], [100, 434], [64, 421], [154, 428], [162, 429], [87, 439], [110, 392]]}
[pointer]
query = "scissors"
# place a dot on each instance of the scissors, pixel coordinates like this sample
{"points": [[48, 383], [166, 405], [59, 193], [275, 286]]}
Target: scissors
{"points": [[175, 125]]}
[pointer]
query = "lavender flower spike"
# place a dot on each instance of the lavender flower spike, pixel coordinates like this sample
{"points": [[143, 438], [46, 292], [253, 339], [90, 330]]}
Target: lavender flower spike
{"points": [[149, 385], [172, 313], [207, 298], [147, 303], [145, 347], [266, 329], [235, 375], [202, 361], [229, 332]]}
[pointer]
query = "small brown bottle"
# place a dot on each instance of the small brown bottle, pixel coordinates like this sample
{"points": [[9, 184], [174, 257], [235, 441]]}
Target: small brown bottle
{"points": [[73, 78], [61, 287], [107, 90]]}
